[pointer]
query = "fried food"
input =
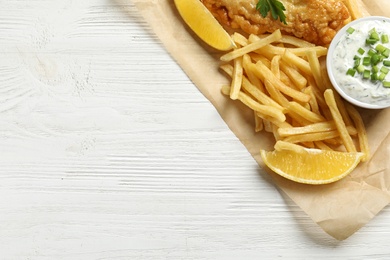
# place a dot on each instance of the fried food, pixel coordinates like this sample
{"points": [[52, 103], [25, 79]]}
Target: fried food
{"points": [[316, 21], [303, 113]]}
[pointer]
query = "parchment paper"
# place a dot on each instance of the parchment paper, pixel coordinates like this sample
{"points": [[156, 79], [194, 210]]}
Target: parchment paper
{"points": [[340, 208]]}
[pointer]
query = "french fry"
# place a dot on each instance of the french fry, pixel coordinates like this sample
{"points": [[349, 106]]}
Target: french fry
{"points": [[343, 111], [275, 65], [273, 121], [288, 39], [300, 63], [275, 94], [268, 126], [236, 78], [240, 39], [305, 113], [315, 66], [353, 8], [313, 101], [277, 50], [254, 80], [361, 131], [252, 46], [299, 49], [285, 79], [297, 78], [321, 145], [322, 104], [258, 122], [270, 51], [275, 132], [263, 59], [256, 106], [314, 128], [283, 145], [251, 76], [301, 52], [312, 137], [228, 69], [341, 127]]}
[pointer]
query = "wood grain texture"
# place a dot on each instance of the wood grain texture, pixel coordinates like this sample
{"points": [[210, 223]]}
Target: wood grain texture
{"points": [[108, 151]]}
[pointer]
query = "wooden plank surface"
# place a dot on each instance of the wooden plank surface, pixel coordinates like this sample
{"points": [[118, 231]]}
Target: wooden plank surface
{"points": [[108, 151]]}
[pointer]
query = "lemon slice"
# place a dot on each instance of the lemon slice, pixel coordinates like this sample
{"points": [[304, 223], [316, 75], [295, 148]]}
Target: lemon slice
{"points": [[313, 166], [203, 23]]}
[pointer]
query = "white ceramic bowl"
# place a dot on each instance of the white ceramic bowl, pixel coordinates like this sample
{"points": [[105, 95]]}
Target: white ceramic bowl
{"points": [[337, 75]]}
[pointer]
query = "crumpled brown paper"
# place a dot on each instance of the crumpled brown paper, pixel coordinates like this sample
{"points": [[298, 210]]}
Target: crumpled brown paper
{"points": [[340, 208]]}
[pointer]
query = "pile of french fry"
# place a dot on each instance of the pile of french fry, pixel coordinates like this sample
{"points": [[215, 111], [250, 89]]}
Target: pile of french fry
{"points": [[281, 79]]}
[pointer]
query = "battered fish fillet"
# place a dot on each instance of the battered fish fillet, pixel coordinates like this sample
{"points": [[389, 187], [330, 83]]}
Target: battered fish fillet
{"points": [[316, 21]]}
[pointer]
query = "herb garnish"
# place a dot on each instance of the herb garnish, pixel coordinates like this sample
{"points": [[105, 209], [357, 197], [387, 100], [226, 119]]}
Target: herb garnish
{"points": [[276, 7]]}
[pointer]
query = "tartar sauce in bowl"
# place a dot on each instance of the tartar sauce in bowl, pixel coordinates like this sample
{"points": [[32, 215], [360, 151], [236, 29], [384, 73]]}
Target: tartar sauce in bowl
{"points": [[358, 62]]}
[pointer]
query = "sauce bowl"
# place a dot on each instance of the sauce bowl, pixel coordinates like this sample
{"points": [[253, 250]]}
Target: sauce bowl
{"points": [[359, 82]]}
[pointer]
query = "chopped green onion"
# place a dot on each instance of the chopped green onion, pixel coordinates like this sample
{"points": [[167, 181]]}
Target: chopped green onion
{"points": [[380, 48], [385, 38], [350, 30], [375, 69], [366, 74], [371, 52], [382, 76], [384, 70], [386, 53], [374, 76], [360, 69], [386, 63], [386, 84], [351, 72], [375, 59], [371, 41], [361, 51], [374, 34], [357, 62], [366, 61]]}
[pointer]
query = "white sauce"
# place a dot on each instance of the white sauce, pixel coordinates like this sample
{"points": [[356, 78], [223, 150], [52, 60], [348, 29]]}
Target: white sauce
{"points": [[363, 90]]}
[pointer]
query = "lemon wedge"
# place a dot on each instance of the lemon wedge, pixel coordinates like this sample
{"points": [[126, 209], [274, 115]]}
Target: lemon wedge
{"points": [[313, 166], [204, 25]]}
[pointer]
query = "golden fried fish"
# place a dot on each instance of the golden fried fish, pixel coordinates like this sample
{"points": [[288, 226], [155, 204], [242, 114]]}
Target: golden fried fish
{"points": [[316, 21]]}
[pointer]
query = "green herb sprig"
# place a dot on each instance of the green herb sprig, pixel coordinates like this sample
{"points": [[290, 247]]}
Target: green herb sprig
{"points": [[274, 6]]}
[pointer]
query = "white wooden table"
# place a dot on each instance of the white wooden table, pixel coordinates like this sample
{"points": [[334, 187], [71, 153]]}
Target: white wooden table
{"points": [[108, 151]]}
